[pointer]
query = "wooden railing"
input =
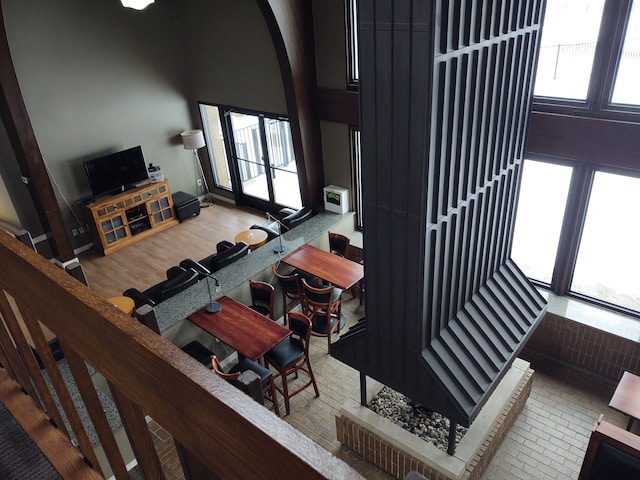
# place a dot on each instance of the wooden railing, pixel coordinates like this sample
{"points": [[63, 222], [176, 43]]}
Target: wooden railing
{"points": [[226, 433]]}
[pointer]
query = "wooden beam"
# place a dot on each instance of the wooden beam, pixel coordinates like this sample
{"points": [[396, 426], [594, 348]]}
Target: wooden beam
{"points": [[25, 146], [595, 141], [341, 106]]}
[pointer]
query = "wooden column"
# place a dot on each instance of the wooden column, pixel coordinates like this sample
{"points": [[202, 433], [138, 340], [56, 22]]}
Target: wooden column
{"points": [[291, 26], [25, 146]]}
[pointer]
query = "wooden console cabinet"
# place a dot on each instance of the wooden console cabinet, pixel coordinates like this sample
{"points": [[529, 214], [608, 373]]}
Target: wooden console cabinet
{"points": [[119, 220]]}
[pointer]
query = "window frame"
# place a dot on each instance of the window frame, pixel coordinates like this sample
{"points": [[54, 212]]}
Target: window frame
{"points": [[353, 70], [356, 175], [224, 112], [573, 222], [609, 46]]}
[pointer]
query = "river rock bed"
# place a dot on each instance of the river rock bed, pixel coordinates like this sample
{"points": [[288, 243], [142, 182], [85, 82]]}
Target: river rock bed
{"points": [[414, 418]]}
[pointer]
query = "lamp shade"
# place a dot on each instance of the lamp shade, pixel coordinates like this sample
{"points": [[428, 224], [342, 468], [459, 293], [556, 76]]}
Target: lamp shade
{"points": [[136, 4], [192, 139]]}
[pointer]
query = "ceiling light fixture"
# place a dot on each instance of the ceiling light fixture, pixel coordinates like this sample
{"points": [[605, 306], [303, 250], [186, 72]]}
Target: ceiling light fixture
{"points": [[137, 4]]}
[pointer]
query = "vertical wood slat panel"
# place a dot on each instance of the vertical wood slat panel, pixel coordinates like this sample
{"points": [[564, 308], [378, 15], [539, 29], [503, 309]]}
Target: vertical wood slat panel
{"points": [[60, 388], [96, 412], [36, 382], [459, 134], [490, 157], [449, 159], [141, 441], [15, 361], [516, 118]]}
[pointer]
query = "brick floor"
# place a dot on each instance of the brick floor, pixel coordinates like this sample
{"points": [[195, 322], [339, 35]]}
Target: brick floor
{"points": [[547, 441]]}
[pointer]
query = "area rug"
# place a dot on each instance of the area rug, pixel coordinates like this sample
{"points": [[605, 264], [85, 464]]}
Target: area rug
{"points": [[20, 457]]}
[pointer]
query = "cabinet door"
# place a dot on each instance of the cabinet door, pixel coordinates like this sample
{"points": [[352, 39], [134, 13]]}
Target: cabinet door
{"points": [[113, 229], [160, 209]]}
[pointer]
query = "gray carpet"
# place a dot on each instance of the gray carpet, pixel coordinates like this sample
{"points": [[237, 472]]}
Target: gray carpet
{"points": [[20, 457]]}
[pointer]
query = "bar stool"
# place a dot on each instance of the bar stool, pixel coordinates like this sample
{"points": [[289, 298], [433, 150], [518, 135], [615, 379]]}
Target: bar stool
{"points": [[125, 304]]}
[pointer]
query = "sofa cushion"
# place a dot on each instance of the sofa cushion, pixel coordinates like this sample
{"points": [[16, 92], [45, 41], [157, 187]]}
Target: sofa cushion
{"points": [[271, 230], [296, 218], [216, 261], [178, 279], [173, 285]]}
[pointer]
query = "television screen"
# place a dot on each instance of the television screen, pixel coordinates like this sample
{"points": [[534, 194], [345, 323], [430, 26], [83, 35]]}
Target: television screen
{"points": [[116, 172]]}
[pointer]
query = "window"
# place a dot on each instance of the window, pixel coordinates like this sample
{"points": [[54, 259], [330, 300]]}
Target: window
{"points": [[608, 263], [260, 167], [567, 48], [543, 196], [352, 46], [549, 228], [589, 59], [356, 169], [215, 146], [626, 89]]}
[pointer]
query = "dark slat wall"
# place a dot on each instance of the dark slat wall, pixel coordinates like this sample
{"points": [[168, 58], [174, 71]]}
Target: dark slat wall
{"points": [[445, 97]]}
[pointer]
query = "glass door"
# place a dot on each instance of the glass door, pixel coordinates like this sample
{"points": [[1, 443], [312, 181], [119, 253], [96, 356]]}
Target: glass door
{"points": [[249, 156], [265, 161], [282, 163], [252, 155]]}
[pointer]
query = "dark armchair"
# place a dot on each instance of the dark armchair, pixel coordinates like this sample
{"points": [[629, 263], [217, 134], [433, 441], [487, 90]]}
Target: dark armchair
{"points": [[271, 230], [216, 261], [295, 217], [178, 279], [288, 217]]}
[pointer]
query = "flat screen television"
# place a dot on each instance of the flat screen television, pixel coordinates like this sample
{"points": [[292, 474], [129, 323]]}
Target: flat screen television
{"points": [[116, 172]]}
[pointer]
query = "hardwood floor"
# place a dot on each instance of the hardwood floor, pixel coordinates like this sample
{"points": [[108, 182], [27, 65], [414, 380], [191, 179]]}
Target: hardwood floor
{"points": [[144, 264]]}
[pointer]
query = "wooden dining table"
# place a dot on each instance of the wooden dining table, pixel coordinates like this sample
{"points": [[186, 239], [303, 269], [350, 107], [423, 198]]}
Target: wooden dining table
{"points": [[243, 329], [337, 270]]}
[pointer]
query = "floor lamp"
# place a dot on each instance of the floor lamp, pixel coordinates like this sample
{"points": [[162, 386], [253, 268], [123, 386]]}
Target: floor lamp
{"points": [[193, 140]]}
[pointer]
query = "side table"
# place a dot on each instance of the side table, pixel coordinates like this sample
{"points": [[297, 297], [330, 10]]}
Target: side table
{"points": [[254, 238], [626, 398]]}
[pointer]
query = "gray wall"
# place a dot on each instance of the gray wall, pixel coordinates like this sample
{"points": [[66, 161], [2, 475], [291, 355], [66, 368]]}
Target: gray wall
{"points": [[230, 56], [331, 65], [98, 78]]}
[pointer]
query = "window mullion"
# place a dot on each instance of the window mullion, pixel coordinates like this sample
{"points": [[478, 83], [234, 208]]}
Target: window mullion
{"points": [[609, 47], [266, 160], [572, 224]]}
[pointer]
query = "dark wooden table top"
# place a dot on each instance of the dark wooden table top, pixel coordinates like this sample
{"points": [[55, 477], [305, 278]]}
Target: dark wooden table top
{"points": [[240, 327], [337, 270], [626, 398]]}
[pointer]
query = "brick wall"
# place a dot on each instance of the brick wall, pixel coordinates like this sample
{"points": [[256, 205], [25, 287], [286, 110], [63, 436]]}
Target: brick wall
{"points": [[393, 460], [562, 340]]}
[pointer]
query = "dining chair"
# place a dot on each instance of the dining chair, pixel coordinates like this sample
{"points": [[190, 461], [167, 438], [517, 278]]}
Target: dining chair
{"points": [[323, 305], [339, 244], [291, 292], [266, 377], [291, 356], [262, 298]]}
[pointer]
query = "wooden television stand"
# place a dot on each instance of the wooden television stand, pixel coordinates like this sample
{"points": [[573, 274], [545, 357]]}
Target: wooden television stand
{"points": [[116, 221]]}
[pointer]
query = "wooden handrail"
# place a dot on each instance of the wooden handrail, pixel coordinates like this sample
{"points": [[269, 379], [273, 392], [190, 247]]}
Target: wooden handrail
{"points": [[232, 436]]}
